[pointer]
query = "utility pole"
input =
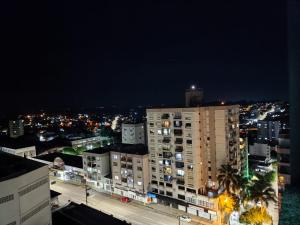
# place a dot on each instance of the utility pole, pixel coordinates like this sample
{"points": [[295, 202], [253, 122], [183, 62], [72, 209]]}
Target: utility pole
{"points": [[87, 193]]}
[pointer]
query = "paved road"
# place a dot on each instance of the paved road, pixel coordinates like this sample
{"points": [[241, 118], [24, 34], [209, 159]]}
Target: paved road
{"points": [[133, 213]]}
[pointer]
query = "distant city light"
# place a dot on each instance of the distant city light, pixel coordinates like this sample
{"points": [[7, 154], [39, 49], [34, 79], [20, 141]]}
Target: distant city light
{"points": [[193, 87]]}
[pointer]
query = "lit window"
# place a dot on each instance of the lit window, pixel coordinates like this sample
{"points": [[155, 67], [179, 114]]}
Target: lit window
{"points": [[116, 177], [139, 183], [180, 172], [115, 156], [159, 131]]}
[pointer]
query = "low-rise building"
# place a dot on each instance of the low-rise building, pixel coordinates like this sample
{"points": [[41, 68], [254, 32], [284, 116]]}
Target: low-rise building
{"points": [[96, 166], [91, 142], [25, 193], [19, 147], [63, 166], [16, 128], [259, 149], [130, 171]]}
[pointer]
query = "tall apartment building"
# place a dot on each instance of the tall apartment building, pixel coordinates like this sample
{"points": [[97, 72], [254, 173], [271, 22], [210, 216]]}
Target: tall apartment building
{"points": [[25, 193], [284, 159], [187, 146], [16, 128], [130, 171], [133, 133]]}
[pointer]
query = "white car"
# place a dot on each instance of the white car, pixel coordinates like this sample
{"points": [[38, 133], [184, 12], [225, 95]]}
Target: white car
{"points": [[185, 218]]}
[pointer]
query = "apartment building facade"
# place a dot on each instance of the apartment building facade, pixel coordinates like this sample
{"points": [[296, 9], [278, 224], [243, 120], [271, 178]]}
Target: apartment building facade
{"points": [[130, 171], [187, 146], [96, 166]]}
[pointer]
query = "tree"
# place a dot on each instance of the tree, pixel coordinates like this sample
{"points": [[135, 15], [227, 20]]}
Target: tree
{"points": [[227, 204], [228, 178], [256, 216], [261, 190]]}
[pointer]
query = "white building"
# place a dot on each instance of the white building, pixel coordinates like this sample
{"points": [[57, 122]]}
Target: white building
{"points": [[29, 151], [133, 133], [25, 193], [91, 142], [130, 171], [258, 149], [16, 128], [96, 166]]}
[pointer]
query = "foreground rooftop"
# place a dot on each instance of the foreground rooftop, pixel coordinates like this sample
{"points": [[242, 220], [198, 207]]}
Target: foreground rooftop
{"points": [[83, 215], [12, 166]]}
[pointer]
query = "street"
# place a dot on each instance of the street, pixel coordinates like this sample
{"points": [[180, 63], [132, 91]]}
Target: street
{"points": [[131, 212]]}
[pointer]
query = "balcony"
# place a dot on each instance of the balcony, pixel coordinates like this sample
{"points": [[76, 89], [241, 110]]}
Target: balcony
{"points": [[129, 167], [179, 141], [123, 166], [179, 164], [180, 181], [177, 123], [177, 132], [178, 149], [123, 158], [166, 140], [177, 116], [167, 155], [129, 160]]}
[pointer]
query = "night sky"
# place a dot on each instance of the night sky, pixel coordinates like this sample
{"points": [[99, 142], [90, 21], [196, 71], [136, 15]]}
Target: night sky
{"points": [[80, 54]]}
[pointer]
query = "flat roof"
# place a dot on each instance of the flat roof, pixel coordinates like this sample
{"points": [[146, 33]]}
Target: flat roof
{"points": [[15, 143], [187, 109], [137, 149], [12, 166], [100, 150], [83, 215], [69, 160]]}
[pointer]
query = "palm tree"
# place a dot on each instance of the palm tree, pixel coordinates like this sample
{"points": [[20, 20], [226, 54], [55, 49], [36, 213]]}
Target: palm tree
{"points": [[262, 191], [228, 178]]}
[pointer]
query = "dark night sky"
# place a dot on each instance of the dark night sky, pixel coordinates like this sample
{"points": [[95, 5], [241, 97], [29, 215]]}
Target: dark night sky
{"points": [[80, 54]]}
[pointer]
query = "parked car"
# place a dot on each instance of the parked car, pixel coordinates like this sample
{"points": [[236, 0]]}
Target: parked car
{"points": [[185, 218]]}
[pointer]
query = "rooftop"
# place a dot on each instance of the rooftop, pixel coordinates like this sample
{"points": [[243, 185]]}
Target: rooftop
{"points": [[83, 215], [12, 166], [100, 150], [15, 143], [137, 149], [69, 160]]}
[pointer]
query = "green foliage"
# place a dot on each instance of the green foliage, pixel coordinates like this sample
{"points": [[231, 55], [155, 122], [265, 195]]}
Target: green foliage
{"points": [[70, 151], [228, 178]]}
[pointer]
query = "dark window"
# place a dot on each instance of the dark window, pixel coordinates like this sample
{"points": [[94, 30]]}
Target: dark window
{"points": [[178, 141], [188, 125], [153, 182], [169, 193], [178, 149], [161, 183], [169, 185], [209, 177], [115, 164], [161, 192], [154, 190], [209, 168], [181, 188], [177, 132], [179, 164], [181, 197], [189, 142], [191, 190]]}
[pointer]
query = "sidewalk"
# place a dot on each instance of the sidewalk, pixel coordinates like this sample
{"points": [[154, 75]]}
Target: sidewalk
{"points": [[167, 210]]}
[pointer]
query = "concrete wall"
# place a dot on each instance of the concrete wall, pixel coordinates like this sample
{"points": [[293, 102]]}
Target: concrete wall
{"points": [[25, 203]]}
